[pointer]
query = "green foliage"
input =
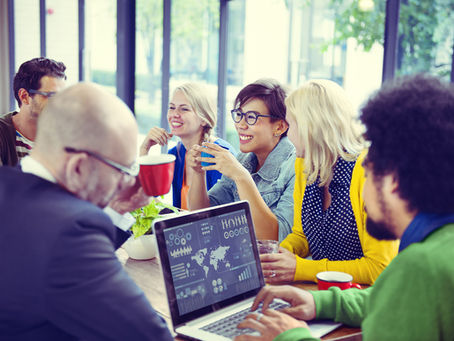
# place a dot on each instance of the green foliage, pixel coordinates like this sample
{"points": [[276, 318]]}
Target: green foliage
{"points": [[189, 18], [145, 216], [423, 26], [367, 27], [193, 25]]}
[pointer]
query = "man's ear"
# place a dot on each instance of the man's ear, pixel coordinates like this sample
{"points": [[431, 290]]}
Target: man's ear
{"points": [[391, 183], [76, 171], [24, 96]]}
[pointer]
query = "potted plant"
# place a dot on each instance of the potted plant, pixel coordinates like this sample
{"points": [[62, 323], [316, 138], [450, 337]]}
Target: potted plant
{"points": [[142, 244]]}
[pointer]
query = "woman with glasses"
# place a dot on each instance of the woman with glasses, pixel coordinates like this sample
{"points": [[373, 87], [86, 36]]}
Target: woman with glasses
{"points": [[192, 117], [329, 218], [263, 172]]}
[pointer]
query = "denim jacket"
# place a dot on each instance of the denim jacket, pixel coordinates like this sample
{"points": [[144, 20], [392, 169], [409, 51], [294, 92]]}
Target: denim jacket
{"points": [[274, 180]]}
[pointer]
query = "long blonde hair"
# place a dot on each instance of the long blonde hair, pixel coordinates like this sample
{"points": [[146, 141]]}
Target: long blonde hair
{"points": [[203, 103], [326, 125]]}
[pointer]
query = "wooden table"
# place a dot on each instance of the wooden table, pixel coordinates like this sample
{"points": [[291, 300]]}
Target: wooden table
{"points": [[148, 276]]}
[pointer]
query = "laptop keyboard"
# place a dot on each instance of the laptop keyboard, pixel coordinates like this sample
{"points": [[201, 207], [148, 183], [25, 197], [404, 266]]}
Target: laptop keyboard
{"points": [[227, 326]]}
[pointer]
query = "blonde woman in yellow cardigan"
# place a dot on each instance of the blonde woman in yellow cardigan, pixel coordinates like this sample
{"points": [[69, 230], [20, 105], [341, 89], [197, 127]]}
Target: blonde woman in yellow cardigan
{"points": [[329, 223]]}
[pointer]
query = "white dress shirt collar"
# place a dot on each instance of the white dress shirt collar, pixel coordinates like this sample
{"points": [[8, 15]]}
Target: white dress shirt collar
{"points": [[32, 166]]}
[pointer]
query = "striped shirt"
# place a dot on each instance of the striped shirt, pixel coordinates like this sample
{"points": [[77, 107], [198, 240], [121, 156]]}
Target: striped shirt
{"points": [[23, 145]]}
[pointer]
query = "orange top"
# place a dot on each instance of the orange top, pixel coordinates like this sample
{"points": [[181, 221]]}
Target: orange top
{"points": [[184, 192]]}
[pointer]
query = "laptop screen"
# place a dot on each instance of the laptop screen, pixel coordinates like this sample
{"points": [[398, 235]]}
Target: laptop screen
{"points": [[209, 259]]}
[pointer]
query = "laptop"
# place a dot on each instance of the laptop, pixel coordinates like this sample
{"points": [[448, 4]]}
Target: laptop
{"points": [[212, 271]]}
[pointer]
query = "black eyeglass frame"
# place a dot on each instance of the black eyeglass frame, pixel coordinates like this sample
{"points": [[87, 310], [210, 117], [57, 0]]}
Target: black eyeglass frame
{"points": [[132, 170], [42, 93], [235, 112]]}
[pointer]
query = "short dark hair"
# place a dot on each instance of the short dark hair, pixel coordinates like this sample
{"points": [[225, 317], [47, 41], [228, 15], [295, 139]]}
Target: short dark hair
{"points": [[410, 125], [271, 92], [30, 74]]}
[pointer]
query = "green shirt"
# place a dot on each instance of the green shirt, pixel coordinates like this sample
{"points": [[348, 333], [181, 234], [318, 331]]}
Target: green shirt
{"points": [[412, 299]]}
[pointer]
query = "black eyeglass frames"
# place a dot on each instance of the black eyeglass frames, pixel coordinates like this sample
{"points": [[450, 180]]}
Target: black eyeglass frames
{"points": [[132, 170], [42, 93], [251, 117]]}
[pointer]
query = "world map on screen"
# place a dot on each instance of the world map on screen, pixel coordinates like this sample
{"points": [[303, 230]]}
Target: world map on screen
{"points": [[213, 258]]}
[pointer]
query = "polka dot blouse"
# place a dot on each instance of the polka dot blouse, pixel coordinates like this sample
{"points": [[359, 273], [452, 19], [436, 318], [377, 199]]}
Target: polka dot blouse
{"points": [[332, 233]]}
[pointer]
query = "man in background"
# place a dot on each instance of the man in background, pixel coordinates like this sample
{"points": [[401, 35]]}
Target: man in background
{"points": [[60, 277], [409, 195], [36, 81]]}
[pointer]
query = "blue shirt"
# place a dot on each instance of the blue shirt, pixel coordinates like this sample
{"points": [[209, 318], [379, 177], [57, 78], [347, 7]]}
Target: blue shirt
{"points": [[275, 181], [423, 225], [212, 176]]}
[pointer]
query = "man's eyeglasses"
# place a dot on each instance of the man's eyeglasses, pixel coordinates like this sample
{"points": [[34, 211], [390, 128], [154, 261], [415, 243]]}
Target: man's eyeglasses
{"points": [[250, 116], [132, 170], [42, 93]]}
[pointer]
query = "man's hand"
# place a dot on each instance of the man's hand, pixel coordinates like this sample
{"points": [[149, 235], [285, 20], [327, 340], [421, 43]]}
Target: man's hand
{"points": [[302, 304], [269, 324], [130, 198], [279, 267]]}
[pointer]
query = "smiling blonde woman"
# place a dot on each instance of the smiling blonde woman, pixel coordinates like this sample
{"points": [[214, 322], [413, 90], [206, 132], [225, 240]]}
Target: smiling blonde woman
{"points": [[192, 117], [329, 218]]}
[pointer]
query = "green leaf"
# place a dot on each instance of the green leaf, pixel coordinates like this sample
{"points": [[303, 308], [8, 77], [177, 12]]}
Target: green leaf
{"points": [[145, 216]]}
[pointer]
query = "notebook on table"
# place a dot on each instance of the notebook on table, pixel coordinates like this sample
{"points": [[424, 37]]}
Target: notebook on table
{"points": [[212, 271]]}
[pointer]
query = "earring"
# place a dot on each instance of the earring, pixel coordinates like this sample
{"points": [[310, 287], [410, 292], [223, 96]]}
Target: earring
{"points": [[277, 134]]}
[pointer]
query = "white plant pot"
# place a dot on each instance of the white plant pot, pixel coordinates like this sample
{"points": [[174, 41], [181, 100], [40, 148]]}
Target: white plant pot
{"points": [[141, 248]]}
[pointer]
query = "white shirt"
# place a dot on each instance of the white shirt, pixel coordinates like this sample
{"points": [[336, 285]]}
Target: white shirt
{"points": [[30, 165]]}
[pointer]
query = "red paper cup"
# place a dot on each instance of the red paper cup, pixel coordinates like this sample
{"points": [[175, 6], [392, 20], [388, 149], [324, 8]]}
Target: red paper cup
{"points": [[156, 173], [342, 280]]}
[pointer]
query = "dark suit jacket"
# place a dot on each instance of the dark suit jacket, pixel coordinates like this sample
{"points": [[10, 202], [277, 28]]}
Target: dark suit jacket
{"points": [[59, 276]]}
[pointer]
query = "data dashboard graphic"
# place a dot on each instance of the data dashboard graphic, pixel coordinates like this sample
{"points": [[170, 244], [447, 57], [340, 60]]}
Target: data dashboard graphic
{"points": [[211, 260]]}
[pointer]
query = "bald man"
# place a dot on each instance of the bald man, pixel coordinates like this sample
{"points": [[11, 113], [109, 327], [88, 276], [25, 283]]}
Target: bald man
{"points": [[60, 278]]}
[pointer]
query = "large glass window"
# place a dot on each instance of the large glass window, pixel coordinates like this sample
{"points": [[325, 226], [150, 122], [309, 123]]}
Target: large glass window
{"points": [[100, 55], [297, 40], [148, 63], [194, 52], [426, 36], [26, 31], [61, 16], [194, 43], [356, 43], [257, 48]]}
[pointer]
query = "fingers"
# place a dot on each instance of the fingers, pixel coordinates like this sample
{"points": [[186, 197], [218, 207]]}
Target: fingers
{"points": [[192, 159], [269, 257], [212, 146], [284, 250], [252, 321], [156, 135], [160, 136], [264, 296]]}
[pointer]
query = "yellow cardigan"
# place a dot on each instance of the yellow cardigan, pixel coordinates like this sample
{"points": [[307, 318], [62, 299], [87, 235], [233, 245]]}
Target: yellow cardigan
{"points": [[377, 254]]}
